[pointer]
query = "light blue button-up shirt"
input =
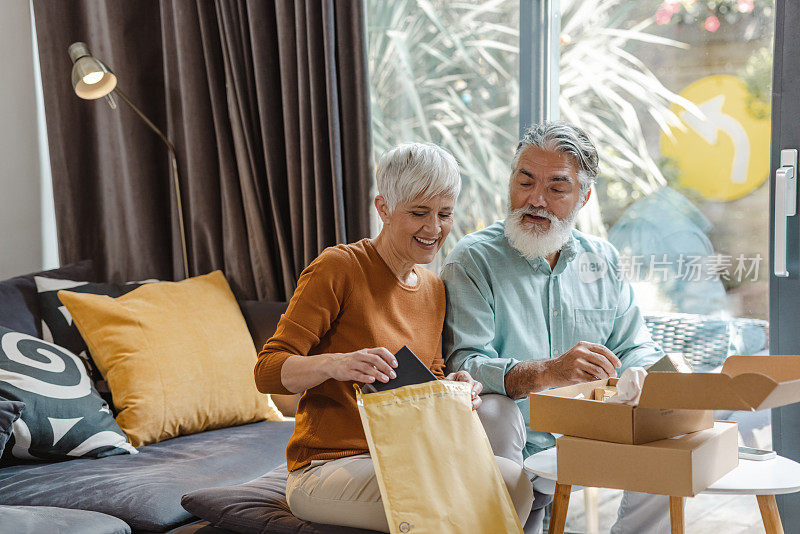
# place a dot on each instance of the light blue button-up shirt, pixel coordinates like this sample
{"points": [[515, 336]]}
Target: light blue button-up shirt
{"points": [[503, 309]]}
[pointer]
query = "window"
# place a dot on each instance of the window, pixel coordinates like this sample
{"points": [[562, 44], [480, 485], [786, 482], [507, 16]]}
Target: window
{"points": [[676, 95], [447, 72]]}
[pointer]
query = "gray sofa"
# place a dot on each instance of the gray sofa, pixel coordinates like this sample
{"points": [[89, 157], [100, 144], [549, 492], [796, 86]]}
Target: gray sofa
{"points": [[144, 490], [143, 493]]}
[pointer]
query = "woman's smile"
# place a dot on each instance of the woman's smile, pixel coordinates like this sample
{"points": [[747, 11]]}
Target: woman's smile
{"points": [[427, 244]]}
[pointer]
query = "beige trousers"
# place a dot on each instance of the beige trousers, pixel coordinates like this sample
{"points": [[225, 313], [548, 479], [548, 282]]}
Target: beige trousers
{"points": [[345, 492]]}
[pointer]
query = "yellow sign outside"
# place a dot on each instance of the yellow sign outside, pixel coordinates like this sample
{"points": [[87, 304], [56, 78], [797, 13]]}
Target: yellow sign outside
{"points": [[724, 155]]}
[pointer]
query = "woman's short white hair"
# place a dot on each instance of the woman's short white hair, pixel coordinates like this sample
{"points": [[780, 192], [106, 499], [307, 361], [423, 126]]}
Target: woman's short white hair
{"points": [[413, 170]]}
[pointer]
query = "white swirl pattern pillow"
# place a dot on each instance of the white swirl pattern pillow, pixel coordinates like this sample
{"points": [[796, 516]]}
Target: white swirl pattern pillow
{"points": [[64, 416]]}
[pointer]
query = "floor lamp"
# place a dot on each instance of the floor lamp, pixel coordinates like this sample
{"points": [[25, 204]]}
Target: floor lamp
{"points": [[92, 79]]}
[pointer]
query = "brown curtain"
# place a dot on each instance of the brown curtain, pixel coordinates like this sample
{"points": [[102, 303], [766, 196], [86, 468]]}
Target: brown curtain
{"points": [[266, 103]]}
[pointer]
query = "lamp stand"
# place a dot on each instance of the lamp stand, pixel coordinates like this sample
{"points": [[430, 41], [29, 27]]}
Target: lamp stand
{"points": [[173, 172]]}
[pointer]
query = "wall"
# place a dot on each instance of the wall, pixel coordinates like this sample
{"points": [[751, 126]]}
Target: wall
{"points": [[22, 232]]}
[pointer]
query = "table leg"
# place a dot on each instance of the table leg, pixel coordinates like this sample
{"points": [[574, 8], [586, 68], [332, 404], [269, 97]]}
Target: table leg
{"points": [[592, 513], [558, 516], [769, 514], [676, 514]]}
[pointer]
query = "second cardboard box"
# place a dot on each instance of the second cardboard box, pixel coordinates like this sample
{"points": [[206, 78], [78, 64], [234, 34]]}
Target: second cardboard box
{"points": [[681, 467]]}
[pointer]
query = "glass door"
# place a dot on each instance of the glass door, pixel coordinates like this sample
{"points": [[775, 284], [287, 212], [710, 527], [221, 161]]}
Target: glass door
{"points": [[678, 96], [694, 105]]}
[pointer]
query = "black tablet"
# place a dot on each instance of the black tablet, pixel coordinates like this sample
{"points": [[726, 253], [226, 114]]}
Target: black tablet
{"points": [[409, 371]]}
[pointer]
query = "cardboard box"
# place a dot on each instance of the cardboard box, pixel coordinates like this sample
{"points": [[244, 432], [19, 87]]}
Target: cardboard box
{"points": [[604, 393], [671, 363], [745, 383], [557, 410], [682, 466], [671, 403]]}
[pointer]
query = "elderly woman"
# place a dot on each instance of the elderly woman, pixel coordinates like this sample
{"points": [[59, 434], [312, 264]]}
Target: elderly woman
{"points": [[354, 306]]}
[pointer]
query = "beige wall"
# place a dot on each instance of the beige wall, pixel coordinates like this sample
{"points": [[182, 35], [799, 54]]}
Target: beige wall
{"points": [[20, 189]]}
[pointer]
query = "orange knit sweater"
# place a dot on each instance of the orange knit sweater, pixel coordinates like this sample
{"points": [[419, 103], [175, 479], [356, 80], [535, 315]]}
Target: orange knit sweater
{"points": [[348, 299]]}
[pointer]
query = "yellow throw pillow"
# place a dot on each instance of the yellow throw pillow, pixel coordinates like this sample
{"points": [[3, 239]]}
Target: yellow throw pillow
{"points": [[177, 356]]}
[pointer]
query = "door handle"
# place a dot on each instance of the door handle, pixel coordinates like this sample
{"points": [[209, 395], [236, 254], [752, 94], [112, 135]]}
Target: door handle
{"points": [[785, 206]]}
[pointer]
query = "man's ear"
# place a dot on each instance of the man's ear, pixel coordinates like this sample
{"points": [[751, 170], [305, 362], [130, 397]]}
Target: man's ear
{"points": [[383, 208], [588, 194]]}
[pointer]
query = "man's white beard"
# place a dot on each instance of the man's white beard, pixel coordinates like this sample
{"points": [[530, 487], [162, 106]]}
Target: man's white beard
{"points": [[532, 242]]}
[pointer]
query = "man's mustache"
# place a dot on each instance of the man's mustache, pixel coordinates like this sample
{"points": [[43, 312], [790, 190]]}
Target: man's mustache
{"points": [[539, 212]]}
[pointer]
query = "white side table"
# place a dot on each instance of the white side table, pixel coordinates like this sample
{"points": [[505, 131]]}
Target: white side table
{"points": [[764, 479]]}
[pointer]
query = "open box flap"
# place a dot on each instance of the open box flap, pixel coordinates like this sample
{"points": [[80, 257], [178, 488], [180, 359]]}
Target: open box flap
{"points": [[779, 368], [739, 387], [572, 391], [696, 391], [762, 392]]}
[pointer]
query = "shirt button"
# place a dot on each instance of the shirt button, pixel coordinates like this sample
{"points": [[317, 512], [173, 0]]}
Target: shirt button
{"points": [[555, 313], [555, 352]]}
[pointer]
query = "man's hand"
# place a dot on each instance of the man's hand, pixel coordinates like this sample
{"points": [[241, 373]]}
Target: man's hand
{"points": [[366, 365], [477, 387], [582, 363]]}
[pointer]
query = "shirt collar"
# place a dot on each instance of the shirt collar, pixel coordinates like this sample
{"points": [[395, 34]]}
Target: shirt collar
{"points": [[568, 253], [569, 250]]}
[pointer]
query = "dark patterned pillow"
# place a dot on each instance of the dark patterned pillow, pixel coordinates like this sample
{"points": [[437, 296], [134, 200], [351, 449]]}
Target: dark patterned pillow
{"points": [[64, 417], [19, 305], [9, 412], [57, 325]]}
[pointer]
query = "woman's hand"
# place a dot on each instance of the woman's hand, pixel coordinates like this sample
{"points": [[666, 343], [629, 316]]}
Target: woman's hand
{"points": [[365, 365], [477, 387]]}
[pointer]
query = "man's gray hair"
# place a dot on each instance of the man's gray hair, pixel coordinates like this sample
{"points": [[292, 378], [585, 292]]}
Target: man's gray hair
{"points": [[413, 170], [567, 138]]}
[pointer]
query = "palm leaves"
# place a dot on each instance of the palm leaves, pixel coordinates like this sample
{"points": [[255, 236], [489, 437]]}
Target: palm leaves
{"points": [[447, 72]]}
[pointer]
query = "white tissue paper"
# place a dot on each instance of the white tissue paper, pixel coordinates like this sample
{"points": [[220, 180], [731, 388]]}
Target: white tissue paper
{"points": [[629, 386]]}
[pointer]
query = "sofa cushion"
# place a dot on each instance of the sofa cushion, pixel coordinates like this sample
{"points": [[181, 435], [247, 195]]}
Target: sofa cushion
{"points": [[39, 519], [145, 489], [57, 324], [199, 527], [9, 412], [19, 306], [256, 507], [262, 319], [177, 356], [64, 417]]}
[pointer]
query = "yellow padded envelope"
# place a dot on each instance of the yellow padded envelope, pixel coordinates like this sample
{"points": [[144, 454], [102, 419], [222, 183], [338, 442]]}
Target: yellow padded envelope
{"points": [[434, 464], [178, 357]]}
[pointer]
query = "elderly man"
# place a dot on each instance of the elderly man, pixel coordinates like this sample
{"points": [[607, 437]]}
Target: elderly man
{"points": [[534, 304]]}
